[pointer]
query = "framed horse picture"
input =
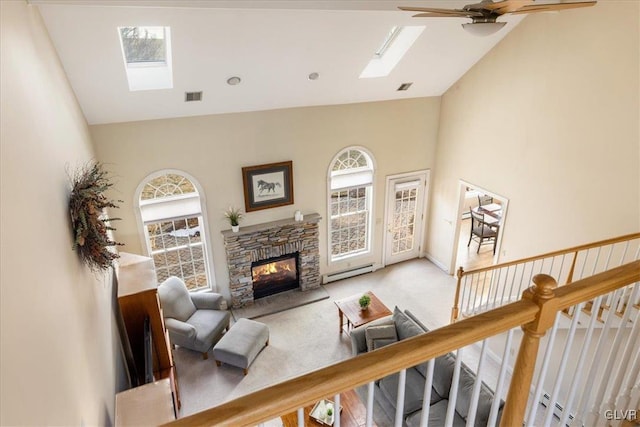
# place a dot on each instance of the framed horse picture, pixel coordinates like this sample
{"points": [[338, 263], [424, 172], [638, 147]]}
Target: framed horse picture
{"points": [[267, 186]]}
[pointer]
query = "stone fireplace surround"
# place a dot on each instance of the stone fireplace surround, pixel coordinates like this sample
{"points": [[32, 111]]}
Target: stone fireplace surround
{"points": [[272, 239]]}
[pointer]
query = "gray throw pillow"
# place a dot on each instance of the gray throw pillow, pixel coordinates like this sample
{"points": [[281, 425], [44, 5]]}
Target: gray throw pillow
{"points": [[377, 333], [406, 327]]}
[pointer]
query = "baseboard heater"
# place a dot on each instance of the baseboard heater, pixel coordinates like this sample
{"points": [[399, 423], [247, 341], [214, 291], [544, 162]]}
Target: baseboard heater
{"points": [[557, 409], [328, 278]]}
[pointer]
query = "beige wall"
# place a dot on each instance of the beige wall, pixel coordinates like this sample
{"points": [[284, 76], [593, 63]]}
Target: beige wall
{"points": [[57, 347], [550, 120], [400, 135]]}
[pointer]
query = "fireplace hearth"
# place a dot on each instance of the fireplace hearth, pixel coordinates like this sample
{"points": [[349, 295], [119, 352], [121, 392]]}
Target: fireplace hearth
{"points": [[274, 275]]}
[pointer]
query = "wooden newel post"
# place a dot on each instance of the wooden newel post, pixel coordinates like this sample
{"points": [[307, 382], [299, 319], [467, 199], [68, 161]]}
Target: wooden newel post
{"points": [[455, 309], [542, 294]]}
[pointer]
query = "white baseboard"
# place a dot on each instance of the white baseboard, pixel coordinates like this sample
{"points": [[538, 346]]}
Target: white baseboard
{"points": [[436, 262]]}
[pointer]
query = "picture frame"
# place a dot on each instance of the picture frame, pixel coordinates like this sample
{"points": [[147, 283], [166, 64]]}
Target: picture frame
{"points": [[267, 186]]}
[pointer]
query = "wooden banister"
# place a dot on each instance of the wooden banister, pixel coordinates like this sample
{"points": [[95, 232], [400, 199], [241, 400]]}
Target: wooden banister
{"points": [[455, 310], [533, 311], [304, 390], [611, 241]]}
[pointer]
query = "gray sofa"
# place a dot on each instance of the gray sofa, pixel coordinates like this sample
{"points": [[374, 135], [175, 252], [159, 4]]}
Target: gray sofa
{"points": [[386, 389]]}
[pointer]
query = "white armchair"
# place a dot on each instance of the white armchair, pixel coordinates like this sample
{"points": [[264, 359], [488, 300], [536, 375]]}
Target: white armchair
{"points": [[194, 320]]}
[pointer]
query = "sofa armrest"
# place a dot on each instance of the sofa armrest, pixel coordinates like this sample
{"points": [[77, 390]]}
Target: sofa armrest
{"points": [[358, 339], [207, 300], [177, 327]]}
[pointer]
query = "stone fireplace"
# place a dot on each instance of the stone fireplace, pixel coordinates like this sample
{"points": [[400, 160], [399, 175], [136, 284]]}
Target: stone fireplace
{"points": [[261, 245]]}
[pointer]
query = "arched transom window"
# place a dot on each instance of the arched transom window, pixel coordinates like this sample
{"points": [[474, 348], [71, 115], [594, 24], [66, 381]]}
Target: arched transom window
{"points": [[173, 226], [350, 194]]}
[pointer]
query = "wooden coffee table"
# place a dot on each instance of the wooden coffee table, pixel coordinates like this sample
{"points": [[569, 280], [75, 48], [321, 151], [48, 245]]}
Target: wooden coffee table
{"points": [[354, 413], [349, 308]]}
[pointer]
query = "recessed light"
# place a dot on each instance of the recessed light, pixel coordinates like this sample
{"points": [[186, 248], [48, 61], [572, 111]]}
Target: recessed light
{"points": [[314, 76], [234, 80], [405, 86]]}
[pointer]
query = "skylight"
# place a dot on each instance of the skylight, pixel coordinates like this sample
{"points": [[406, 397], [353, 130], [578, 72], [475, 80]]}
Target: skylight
{"points": [[146, 52], [143, 44], [393, 48]]}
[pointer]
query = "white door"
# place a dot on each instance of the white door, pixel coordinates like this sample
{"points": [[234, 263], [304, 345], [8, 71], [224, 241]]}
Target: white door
{"points": [[405, 216]]}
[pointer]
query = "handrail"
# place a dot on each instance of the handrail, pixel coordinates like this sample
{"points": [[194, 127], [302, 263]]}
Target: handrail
{"points": [[460, 273], [588, 246], [304, 390]]}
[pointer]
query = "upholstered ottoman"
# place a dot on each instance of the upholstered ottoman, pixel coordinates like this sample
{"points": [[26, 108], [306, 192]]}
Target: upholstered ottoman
{"points": [[241, 344]]}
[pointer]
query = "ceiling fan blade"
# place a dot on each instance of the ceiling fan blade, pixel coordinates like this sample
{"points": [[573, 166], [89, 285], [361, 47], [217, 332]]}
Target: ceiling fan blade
{"points": [[442, 15], [550, 7], [432, 10], [505, 6]]}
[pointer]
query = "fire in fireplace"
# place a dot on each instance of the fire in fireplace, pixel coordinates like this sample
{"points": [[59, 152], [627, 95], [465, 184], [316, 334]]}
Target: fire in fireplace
{"points": [[275, 275]]}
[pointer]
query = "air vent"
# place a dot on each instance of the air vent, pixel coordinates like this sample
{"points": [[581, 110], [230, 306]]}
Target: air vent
{"points": [[404, 86], [192, 96]]}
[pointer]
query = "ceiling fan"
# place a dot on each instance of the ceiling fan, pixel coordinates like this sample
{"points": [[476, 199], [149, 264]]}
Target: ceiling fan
{"points": [[483, 15]]}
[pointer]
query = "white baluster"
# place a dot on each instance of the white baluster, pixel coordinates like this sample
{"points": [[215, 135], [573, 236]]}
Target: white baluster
{"points": [[600, 395], [370, 404], [543, 372], [465, 287], [475, 393], [630, 350], [581, 413], [402, 380], [506, 355], [495, 284], [336, 410], [568, 347], [300, 417], [577, 377], [426, 399], [504, 288], [453, 392]]}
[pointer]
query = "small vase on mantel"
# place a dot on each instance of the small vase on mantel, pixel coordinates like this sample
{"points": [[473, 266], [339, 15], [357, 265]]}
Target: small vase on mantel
{"points": [[235, 228], [298, 216]]}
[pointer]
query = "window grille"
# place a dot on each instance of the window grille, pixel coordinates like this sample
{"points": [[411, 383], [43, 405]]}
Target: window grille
{"points": [[351, 182], [171, 213]]}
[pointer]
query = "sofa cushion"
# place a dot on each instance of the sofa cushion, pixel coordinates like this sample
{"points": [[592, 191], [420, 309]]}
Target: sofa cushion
{"points": [[379, 343], [443, 374], [437, 416], [413, 393], [465, 391], [405, 327], [382, 332]]}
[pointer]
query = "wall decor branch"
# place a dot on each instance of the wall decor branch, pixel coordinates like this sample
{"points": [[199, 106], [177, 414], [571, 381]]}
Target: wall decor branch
{"points": [[91, 226]]}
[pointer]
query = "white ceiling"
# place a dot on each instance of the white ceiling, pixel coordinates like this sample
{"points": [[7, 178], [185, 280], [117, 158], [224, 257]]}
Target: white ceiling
{"points": [[271, 45]]}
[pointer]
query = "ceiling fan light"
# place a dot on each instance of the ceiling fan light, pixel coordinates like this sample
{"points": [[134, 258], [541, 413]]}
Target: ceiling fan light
{"points": [[483, 29]]}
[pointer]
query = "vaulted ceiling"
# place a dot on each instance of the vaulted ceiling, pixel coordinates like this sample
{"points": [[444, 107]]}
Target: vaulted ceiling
{"points": [[272, 46]]}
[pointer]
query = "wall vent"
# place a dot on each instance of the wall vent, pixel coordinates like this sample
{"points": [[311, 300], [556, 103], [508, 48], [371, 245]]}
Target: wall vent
{"points": [[404, 86], [192, 96]]}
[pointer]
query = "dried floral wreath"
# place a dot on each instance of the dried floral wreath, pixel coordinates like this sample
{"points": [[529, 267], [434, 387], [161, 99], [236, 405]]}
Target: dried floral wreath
{"points": [[90, 224]]}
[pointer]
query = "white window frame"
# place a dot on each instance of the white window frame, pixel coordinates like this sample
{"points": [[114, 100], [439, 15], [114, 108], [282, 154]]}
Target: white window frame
{"points": [[174, 214], [362, 177]]}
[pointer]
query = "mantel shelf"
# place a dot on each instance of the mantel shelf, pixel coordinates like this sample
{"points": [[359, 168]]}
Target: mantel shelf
{"points": [[309, 218]]}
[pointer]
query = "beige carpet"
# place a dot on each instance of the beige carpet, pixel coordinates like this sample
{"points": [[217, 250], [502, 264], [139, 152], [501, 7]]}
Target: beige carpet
{"points": [[306, 338]]}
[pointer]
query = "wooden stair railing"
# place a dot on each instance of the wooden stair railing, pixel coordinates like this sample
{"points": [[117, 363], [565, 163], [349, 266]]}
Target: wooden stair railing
{"points": [[535, 312], [490, 287]]}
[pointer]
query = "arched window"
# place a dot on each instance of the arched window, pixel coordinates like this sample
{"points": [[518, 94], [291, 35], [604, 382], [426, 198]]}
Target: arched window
{"points": [[350, 194], [173, 226]]}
